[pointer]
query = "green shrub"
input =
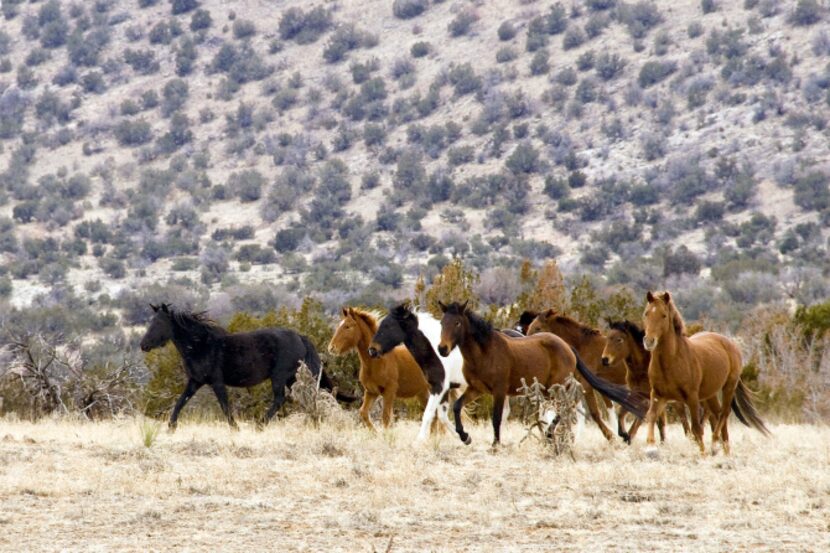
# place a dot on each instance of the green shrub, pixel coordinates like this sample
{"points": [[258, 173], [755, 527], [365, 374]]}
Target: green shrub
{"points": [[304, 27], [133, 132], [506, 31], [652, 72], [407, 9]]}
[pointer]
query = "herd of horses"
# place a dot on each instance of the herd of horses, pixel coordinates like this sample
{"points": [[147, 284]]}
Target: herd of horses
{"points": [[640, 368]]}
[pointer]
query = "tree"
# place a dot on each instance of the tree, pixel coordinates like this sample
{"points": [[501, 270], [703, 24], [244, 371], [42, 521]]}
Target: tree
{"points": [[454, 283]]}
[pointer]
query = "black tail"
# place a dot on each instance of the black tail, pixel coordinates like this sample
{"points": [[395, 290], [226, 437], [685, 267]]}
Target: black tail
{"points": [[635, 403], [745, 410], [316, 368]]}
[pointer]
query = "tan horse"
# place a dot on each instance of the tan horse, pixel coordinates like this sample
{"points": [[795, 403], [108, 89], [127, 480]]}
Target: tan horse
{"points": [[693, 370], [391, 376], [624, 342], [495, 364], [589, 344]]}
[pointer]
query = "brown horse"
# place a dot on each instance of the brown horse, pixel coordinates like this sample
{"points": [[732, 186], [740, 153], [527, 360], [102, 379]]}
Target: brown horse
{"points": [[589, 344], [391, 376], [692, 370], [624, 342], [495, 364]]}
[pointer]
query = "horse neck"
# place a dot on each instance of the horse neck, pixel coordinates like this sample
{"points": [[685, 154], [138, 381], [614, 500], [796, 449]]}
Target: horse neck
{"points": [[473, 352], [638, 357], [421, 350], [579, 337], [362, 344], [669, 346], [188, 342]]}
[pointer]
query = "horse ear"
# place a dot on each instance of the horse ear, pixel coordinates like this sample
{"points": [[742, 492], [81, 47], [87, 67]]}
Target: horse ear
{"points": [[464, 306], [666, 297], [344, 311], [443, 307], [649, 297], [549, 313], [155, 308], [164, 308]]}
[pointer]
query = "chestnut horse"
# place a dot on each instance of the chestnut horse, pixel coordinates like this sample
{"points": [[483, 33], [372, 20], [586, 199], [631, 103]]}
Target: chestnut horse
{"points": [[589, 344], [624, 342], [495, 364], [692, 370], [392, 376]]}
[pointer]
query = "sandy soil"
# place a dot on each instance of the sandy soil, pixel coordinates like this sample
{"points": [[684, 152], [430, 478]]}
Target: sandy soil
{"points": [[73, 486]]}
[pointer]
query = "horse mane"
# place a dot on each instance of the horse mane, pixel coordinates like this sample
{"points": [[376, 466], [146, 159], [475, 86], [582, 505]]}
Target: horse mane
{"points": [[369, 317], [585, 329], [481, 329], [196, 322], [633, 329], [676, 319]]}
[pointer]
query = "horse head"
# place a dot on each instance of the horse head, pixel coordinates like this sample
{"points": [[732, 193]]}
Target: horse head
{"points": [[393, 330], [523, 324], [542, 322], [616, 344], [658, 318], [347, 334], [160, 330], [454, 326]]}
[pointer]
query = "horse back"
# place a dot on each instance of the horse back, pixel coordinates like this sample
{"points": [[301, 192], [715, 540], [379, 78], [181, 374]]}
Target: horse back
{"points": [[718, 358], [544, 356], [251, 357]]}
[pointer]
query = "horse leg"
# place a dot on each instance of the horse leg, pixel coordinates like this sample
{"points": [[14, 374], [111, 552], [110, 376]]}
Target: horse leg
{"points": [[621, 425], [661, 426], [443, 410], [222, 395], [191, 388], [368, 400], [388, 395], [632, 430], [656, 407], [697, 428], [429, 417], [711, 412], [725, 409], [278, 388], [684, 421], [468, 395], [498, 407], [593, 408]]}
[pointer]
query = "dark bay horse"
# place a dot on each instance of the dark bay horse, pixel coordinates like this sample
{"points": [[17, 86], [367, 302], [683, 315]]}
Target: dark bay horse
{"points": [[693, 370], [401, 327], [215, 357], [495, 364], [396, 375], [589, 343]]}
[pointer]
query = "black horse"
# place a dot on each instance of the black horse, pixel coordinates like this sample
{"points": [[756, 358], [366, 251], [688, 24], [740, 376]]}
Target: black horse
{"points": [[215, 357]]}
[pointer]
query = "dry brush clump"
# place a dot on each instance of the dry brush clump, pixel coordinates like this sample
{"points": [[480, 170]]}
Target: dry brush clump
{"points": [[551, 413], [43, 376]]}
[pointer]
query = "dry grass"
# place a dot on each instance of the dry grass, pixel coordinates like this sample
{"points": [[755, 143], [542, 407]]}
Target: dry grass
{"points": [[94, 486]]}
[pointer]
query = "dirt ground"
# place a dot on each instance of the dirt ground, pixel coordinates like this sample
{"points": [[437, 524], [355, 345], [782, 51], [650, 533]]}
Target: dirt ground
{"points": [[81, 486]]}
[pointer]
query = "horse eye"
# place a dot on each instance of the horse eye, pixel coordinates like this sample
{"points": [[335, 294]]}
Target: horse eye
{"points": [[458, 324]]}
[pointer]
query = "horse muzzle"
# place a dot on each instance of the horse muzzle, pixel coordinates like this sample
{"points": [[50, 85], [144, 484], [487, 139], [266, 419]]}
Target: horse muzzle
{"points": [[443, 350], [606, 362], [145, 348], [649, 343], [374, 353]]}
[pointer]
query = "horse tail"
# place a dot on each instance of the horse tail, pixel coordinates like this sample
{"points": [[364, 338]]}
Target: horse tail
{"points": [[634, 402], [745, 410], [312, 359]]}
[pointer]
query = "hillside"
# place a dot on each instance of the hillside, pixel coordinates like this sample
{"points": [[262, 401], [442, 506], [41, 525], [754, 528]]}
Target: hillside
{"points": [[344, 148]]}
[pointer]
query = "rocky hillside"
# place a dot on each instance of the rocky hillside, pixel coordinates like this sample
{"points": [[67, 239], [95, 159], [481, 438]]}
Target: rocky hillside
{"points": [[344, 148]]}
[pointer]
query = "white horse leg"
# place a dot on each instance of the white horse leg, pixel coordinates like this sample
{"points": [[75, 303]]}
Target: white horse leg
{"points": [[429, 415], [613, 422]]}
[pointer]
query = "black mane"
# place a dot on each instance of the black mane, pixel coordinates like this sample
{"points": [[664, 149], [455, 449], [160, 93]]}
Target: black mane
{"points": [[196, 323], [480, 328], [631, 328]]}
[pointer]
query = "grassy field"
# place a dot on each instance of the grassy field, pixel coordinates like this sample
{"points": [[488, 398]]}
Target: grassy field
{"points": [[80, 486]]}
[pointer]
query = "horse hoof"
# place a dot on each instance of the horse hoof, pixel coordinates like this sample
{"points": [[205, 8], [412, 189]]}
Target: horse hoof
{"points": [[652, 453], [626, 437], [467, 440]]}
